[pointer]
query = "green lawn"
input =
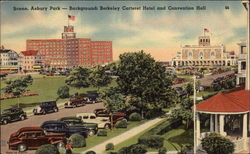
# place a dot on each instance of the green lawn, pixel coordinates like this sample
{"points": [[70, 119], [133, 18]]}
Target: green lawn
{"points": [[95, 140], [47, 89]]}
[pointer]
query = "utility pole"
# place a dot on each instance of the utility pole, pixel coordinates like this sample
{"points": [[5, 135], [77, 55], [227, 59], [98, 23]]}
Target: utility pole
{"points": [[194, 117]]}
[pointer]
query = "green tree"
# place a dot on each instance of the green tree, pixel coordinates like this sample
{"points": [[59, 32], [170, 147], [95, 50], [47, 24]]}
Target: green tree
{"points": [[78, 77], [142, 78], [18, 87], [98, 78], [217, 144], [184, 113], [63, 92], [189, 89]]}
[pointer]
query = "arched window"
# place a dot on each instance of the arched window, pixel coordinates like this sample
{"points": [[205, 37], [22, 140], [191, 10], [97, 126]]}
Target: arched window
{"points": [[190, 54], [212, 54], [201, 55]]}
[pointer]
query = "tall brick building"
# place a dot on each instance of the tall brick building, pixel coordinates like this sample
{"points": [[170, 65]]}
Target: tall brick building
{"points": [[71, 51], [204, 54]]}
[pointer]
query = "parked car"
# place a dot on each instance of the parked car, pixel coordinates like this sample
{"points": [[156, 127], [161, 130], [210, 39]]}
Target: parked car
{"points": [[12, 114], [75, 102], [33, 137], [56, 126], [116, 115], [77, 122], [93, 98], [103, 122], [46, 107]]}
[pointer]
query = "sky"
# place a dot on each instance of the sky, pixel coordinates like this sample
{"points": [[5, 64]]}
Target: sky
{"points": [[158, 32]]}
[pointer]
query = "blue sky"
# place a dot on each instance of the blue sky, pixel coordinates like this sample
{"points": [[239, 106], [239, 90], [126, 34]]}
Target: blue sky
{"points": [[160, 33]]}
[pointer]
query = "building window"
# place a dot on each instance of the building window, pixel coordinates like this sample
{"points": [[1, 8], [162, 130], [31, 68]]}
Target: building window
{"points": [[190, 54], [212, 54], [201, 55]]}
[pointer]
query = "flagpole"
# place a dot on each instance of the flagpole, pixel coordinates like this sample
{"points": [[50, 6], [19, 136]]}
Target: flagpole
{"points": [[194, 115], [68, 20]]}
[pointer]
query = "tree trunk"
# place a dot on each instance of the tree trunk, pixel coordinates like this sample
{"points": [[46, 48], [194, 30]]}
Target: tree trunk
{"points": [[18, 101], [142, 114]]}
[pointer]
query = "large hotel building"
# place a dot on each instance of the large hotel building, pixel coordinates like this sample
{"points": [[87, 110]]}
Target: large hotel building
{"points": [[71, 51], [204, 54]]}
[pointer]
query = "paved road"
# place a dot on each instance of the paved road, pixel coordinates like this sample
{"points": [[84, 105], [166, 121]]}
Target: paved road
{"points": [[37, 120], [207, 80], [100, 148]]}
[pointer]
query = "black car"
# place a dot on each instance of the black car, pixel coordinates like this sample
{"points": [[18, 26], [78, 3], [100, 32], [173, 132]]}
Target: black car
{"points": [[55, 126], [77, 122], [12, 114], [46, 107]]}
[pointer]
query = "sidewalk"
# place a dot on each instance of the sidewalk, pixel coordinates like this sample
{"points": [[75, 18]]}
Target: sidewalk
{"points": [[100, 148]]}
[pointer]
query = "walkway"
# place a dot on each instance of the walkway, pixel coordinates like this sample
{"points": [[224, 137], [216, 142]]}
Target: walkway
{"points": [[100, 148]]}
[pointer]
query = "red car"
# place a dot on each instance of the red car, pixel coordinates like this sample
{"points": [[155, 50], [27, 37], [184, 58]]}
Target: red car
{"points": [[75, 102], [117, 116], [33, 137]]}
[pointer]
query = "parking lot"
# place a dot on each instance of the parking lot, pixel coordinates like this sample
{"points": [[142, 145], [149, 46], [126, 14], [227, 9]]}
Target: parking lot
{"points": [[37, 120]]}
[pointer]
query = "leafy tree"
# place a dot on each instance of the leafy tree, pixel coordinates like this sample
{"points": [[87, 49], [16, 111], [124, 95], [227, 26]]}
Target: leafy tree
{"points": [[99, 78], [18, 87], [78, 77], [217, 144], [63, 92], [47, 148], [142, 78], [189, 89], [184, 113]]}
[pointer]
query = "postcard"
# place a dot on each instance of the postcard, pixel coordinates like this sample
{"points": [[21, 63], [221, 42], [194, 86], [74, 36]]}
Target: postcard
{"points": [[125, 77]]}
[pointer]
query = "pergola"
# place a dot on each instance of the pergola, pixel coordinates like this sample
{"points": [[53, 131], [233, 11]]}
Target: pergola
{"points": [[222, 106]]}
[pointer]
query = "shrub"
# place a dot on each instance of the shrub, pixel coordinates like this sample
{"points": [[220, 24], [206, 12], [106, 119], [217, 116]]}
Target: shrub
{"points": [[152, 141], [109, 146], [162, 150], [217, 144], [133, 149], [121, 124], [90, 152], [63, 92], [135, 117], [47, 148], [77, 141], [153, 113], [186, 148], [102, 133]]}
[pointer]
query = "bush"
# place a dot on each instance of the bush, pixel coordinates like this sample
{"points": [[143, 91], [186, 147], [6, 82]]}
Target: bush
{"points": [[162, 150], [102, 133], [77, 141], [63, 92], [121, 124], [109, 146], [90, 152], [152, 141], [135, 117], [217, 144], [47, 148], [133, 149], [185, 149], [153, 113]]}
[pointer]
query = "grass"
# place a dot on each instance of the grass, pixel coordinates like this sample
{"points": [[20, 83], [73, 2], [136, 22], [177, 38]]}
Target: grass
{"points": [[95, 140], [47, 89], [133, 139]]}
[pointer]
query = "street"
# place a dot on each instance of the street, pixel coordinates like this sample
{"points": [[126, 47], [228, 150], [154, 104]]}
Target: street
{"points": [[37, 120]]}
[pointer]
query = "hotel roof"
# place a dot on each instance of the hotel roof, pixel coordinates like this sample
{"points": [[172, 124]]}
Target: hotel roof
{"points": [[29, 53]]}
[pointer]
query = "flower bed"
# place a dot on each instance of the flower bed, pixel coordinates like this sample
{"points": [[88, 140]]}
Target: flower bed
{"points": [[27, 93]]}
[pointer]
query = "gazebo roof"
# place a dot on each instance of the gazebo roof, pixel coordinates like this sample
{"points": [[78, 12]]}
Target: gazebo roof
{"points": [[231, 102]]}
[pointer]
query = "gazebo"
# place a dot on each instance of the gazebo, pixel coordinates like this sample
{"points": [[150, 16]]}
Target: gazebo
{"points": [[229, 116]]}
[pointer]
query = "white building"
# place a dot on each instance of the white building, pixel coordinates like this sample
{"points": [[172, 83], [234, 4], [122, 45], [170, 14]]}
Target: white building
{"points": [[9, 60], [241, 76], [204, 54]]}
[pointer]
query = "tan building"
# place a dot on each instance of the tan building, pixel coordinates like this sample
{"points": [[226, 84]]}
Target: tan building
{"points": [[242, 64], [204, 54], [31, 60]]}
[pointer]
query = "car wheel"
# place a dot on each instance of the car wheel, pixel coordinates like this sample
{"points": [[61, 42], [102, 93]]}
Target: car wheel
{"points": [[22, 147], [22, 117], [5, 121], [55, 109], [107, 126], [43, 112], [91, 133], [60, 146]]}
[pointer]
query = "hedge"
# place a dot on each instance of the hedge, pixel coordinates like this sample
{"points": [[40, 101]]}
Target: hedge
{"points": [[77, 141], [135, 116], [102, 133], [121, 124], [47, 148], [109, 146], [133, 149], [152, 141]]}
